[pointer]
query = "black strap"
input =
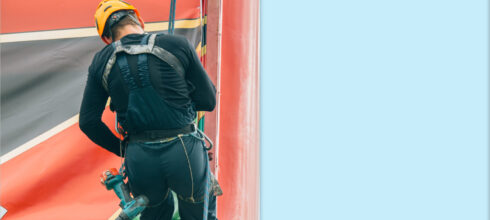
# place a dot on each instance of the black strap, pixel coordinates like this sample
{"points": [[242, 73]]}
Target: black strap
{"points": [[126, 73], [159, 52], [143, 72], [155, 135]]}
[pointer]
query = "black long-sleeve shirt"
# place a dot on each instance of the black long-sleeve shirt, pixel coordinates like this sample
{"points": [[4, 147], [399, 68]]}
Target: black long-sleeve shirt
{"points": [[194, 89]]}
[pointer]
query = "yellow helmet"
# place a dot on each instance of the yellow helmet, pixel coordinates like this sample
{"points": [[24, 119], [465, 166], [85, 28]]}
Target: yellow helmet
{"points": [[106, 8]]}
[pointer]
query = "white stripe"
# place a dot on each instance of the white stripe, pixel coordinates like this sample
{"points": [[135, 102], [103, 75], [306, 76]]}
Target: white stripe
{"points": [[115, 215], [218, 82], [48, 35], [39, 139], [85, 32]]}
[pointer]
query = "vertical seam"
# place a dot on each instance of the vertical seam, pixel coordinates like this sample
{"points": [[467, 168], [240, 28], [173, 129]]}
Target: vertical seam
{"points": [[190, 169]]}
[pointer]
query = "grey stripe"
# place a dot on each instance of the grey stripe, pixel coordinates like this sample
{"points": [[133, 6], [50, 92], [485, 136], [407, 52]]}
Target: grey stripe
{"points": [[42, 84]]}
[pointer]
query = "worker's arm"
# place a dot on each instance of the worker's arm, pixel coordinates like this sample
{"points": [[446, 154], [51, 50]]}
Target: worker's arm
{"points": [[204, 94], [93, 105]]}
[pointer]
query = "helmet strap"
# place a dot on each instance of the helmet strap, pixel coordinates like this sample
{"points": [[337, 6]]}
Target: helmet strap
{"points": [[134, 19]]}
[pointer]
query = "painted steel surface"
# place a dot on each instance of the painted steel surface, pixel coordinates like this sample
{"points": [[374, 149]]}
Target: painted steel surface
{"points": [[18, 16], [239, 111], [58, 178], [64, 169]]}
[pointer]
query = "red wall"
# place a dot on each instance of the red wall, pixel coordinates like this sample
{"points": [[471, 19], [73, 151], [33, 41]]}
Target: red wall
{"points": [[59, 179], [62, 14], [238, 118], [239, 111]]}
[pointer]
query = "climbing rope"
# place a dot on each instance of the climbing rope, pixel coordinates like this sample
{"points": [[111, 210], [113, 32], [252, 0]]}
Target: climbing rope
{"points": [[200, 118], [171, 19]]}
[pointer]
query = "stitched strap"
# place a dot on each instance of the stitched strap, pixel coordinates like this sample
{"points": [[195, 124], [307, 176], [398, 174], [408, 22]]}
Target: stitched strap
{"points": [[122, 62], [159, 52], [143, 72]]}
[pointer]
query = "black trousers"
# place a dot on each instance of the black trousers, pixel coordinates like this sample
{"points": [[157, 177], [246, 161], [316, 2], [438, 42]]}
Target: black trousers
{"points": [[179, 165]]}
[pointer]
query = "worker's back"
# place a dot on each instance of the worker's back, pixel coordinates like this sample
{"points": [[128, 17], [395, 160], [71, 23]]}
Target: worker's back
{"points": [[181, 92]]}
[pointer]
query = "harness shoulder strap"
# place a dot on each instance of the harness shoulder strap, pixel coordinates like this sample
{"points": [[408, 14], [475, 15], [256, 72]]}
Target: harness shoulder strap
{"points": [[122, 62], [143, 69], [169, 58], [150, 48]]}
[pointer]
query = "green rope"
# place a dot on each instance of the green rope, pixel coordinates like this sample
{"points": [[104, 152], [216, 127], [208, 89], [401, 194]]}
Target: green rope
{"points": [[200, 125]]}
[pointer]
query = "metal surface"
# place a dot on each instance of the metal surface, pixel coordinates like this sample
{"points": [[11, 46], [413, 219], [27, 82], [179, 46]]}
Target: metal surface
{"points": [[232, 63], [42, 84], [61, 14], [239, 111]]}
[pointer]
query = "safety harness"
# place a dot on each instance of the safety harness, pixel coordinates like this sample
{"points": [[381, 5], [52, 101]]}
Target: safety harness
{"points": [[143, 118], [149, 48]]}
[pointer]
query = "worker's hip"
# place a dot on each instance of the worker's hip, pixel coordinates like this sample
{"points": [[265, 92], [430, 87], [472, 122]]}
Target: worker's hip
{"points": [[178, 163]]}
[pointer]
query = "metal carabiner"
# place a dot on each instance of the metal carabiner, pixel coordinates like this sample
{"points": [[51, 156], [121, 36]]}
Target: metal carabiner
{"points": [[207, 139]]}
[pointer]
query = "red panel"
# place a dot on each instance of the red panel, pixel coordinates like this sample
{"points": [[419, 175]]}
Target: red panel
{"points": [[59, 179], [239, 113], [33, 15]]}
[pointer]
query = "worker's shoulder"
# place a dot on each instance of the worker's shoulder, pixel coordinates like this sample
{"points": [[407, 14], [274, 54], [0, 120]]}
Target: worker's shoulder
{"points": [[165, 40], [101, 58], [105, 52]]}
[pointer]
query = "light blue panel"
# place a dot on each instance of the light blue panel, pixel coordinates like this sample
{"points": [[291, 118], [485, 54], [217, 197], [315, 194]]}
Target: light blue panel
{"points": [[374, 110]]}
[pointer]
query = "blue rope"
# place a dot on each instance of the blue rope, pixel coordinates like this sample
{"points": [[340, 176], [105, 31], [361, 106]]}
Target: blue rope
{"points": [[206, 188], [208, 173], [171, 19]]}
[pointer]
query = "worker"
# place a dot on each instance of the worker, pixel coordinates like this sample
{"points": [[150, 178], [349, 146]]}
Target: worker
{"points": [[156, 83]]}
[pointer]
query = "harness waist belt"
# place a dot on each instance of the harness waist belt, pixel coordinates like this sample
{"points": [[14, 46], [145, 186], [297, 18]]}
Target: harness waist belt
{"points": [[155, 135]]}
